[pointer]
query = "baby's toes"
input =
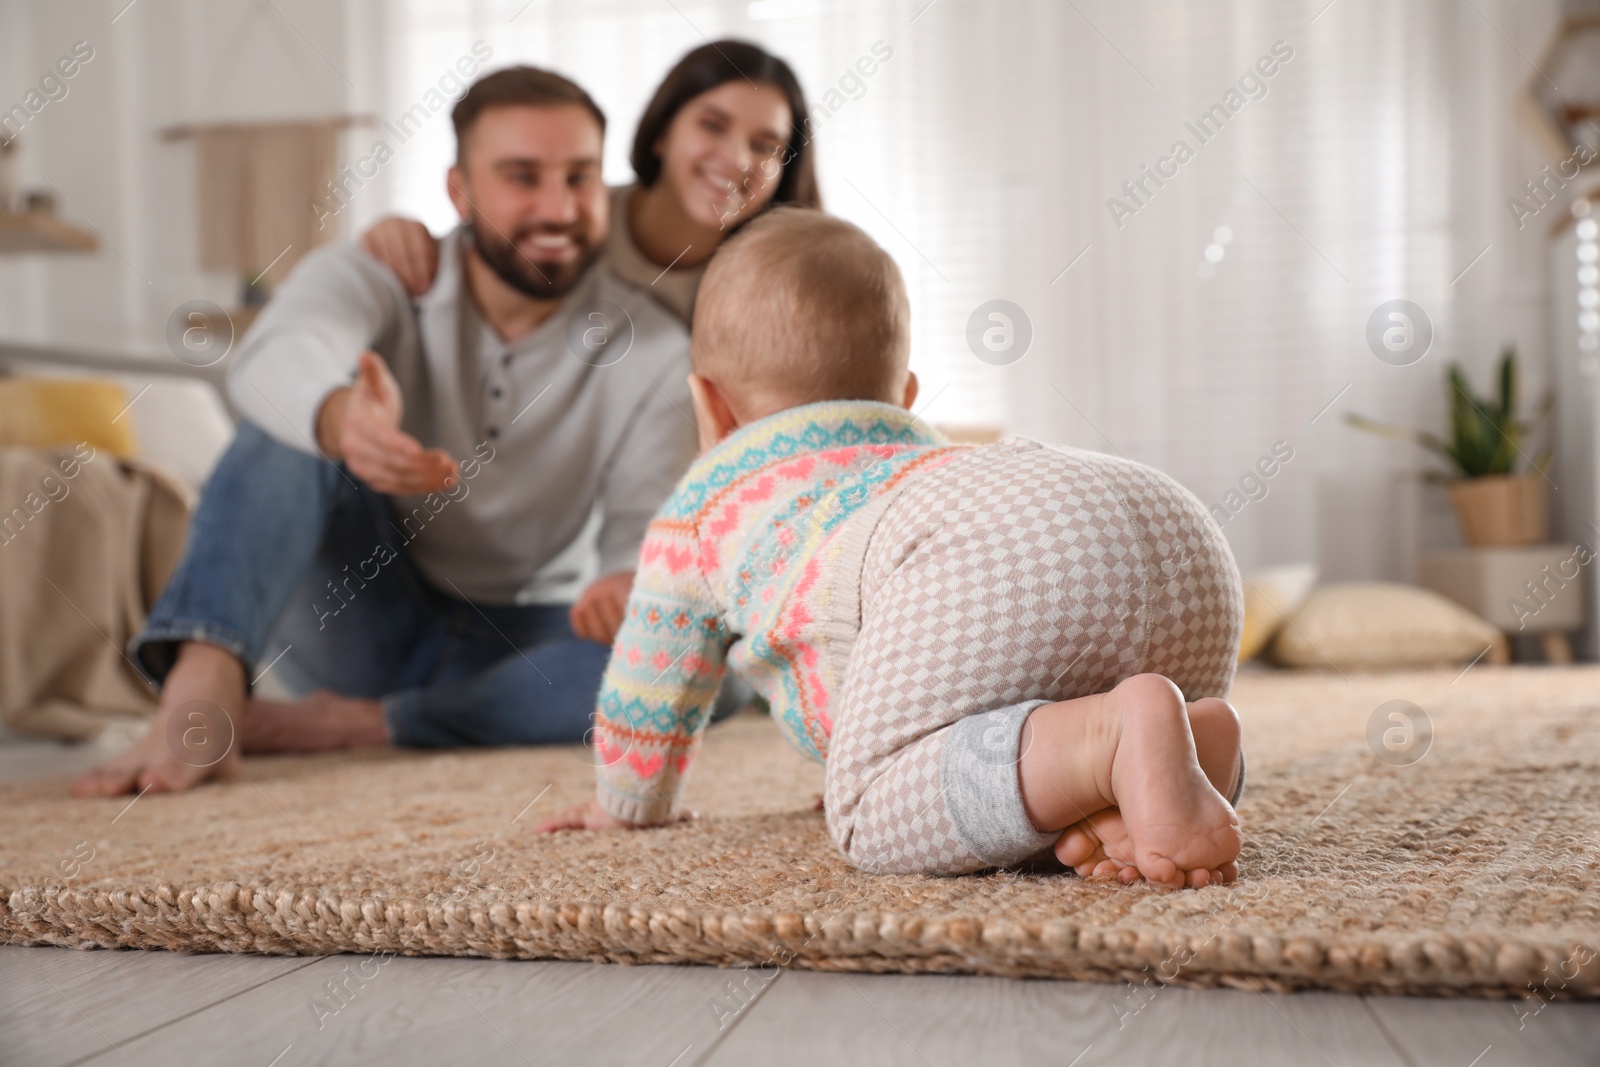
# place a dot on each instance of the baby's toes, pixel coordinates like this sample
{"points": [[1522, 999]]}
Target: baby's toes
{"points": [[1228, 873], [1077, 847], [1111, 869], [1101, 870], [1159, 870]]}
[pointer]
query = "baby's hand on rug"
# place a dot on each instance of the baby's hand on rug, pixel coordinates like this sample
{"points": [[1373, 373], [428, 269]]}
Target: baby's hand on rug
{"points": [[586, 816], [591, 816]]}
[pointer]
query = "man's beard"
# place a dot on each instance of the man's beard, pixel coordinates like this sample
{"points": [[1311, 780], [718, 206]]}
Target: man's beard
{"points": [[542, 281]]}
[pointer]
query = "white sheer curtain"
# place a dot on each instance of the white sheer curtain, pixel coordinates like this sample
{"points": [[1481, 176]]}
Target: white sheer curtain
{"points": [[983, 152]]}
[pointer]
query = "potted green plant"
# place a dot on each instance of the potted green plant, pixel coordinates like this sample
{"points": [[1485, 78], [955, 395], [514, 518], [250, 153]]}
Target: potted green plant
{"points": [[1496, 505]]}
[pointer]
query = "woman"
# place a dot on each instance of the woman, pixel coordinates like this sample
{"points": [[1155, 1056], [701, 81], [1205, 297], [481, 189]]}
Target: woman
{"points": [[725, 136]]}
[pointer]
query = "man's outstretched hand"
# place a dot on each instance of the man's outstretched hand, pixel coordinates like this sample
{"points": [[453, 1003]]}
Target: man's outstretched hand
{"points": [[591, 816], [360, 424], [598, 613]]}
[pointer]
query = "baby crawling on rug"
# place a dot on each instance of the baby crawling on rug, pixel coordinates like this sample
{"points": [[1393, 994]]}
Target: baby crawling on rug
{"points": [[990, 648]]}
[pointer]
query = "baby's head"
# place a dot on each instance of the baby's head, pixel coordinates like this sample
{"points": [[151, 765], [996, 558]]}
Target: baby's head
{"points": [[798, 307]]}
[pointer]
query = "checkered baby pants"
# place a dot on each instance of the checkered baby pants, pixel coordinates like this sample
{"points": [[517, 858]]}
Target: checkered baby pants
{"points": [[1014, 574]]}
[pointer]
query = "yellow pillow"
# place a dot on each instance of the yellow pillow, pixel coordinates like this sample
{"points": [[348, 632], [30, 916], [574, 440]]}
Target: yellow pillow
{"points": [[50, 412], [1381, 624], [1271, 596]]}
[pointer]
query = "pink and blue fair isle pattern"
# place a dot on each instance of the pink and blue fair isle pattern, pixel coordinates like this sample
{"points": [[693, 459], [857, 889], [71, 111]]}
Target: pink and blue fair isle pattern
{"points": [[726, 580]]}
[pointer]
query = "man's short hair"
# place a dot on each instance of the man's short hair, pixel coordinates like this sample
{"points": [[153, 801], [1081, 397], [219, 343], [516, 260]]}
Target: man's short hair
{"points": [[797, 307], [519, 87]]}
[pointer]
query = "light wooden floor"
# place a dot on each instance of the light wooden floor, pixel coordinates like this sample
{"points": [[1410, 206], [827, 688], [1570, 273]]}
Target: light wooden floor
{"points": [[108, 1009]]}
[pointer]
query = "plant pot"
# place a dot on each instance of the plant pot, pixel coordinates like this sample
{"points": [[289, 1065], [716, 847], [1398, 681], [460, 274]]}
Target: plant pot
{"points": [[1500, 510]]}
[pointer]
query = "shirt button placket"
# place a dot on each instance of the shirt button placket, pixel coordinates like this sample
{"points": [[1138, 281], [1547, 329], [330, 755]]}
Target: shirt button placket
{"points": [[496, 386]]}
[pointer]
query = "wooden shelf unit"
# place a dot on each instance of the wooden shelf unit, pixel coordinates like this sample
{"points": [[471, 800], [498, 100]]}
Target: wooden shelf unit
{"points": [[36, 231]]}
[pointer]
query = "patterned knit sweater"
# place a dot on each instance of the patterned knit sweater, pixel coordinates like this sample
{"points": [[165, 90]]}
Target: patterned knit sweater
{"points": [[735, 572]]}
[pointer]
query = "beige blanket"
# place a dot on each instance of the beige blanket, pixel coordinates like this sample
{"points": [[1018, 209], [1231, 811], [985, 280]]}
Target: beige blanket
{"points": [[87, 541]]}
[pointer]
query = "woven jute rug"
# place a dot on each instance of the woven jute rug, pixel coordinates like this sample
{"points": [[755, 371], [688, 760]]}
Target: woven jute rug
{"points": [[1447, 843]]}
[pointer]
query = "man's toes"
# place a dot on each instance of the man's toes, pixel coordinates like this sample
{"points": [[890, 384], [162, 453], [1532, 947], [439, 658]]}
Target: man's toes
{"points": [[152, 779], [86, 784], [167, 777], [103, 782]]}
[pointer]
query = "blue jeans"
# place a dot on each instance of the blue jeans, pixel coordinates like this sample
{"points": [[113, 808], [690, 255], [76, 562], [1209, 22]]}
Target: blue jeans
{"points": [[281, 554]]}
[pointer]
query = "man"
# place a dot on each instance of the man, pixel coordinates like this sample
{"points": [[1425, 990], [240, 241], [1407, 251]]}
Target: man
{"points": [[415, 485]]}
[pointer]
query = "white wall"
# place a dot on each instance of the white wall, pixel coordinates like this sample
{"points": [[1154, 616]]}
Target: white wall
{"points": [[158, 63], [161, 63]]}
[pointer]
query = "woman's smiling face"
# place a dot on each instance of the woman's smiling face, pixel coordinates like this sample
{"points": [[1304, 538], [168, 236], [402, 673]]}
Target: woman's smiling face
{"points": [[723, 152]]}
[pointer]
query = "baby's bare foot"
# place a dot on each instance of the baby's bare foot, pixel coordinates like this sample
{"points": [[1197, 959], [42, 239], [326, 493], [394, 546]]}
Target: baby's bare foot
{"points": [[1099, 847], [322, 722], [1132, 749], [193, 736], [1177, 823]]}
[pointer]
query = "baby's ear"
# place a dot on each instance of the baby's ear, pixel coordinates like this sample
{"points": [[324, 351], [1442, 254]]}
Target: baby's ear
{"points": [[911, 390], [711, 412]]}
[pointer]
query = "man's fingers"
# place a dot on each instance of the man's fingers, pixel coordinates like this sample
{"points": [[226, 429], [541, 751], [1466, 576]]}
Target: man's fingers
{"points": [[431, 470], [388, 483], [400, 475], [446, 471], [374, 459], [370, 435]]}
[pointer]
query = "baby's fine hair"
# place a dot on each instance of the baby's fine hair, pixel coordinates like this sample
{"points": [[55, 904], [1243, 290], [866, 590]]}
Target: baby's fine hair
{"points": [[797, 307]]}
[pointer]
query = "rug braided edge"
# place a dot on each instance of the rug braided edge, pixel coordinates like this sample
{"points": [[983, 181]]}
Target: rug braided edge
{"points": [[228, 917]]}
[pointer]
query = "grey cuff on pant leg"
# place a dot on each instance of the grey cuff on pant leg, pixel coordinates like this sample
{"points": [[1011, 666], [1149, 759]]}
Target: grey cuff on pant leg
{"points": [[982, 793]]}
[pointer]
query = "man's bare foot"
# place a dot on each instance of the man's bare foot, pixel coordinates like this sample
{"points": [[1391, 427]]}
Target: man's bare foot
{"points": [[193, 737], [1130, 749], [1099, 847], [322, 722]]}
